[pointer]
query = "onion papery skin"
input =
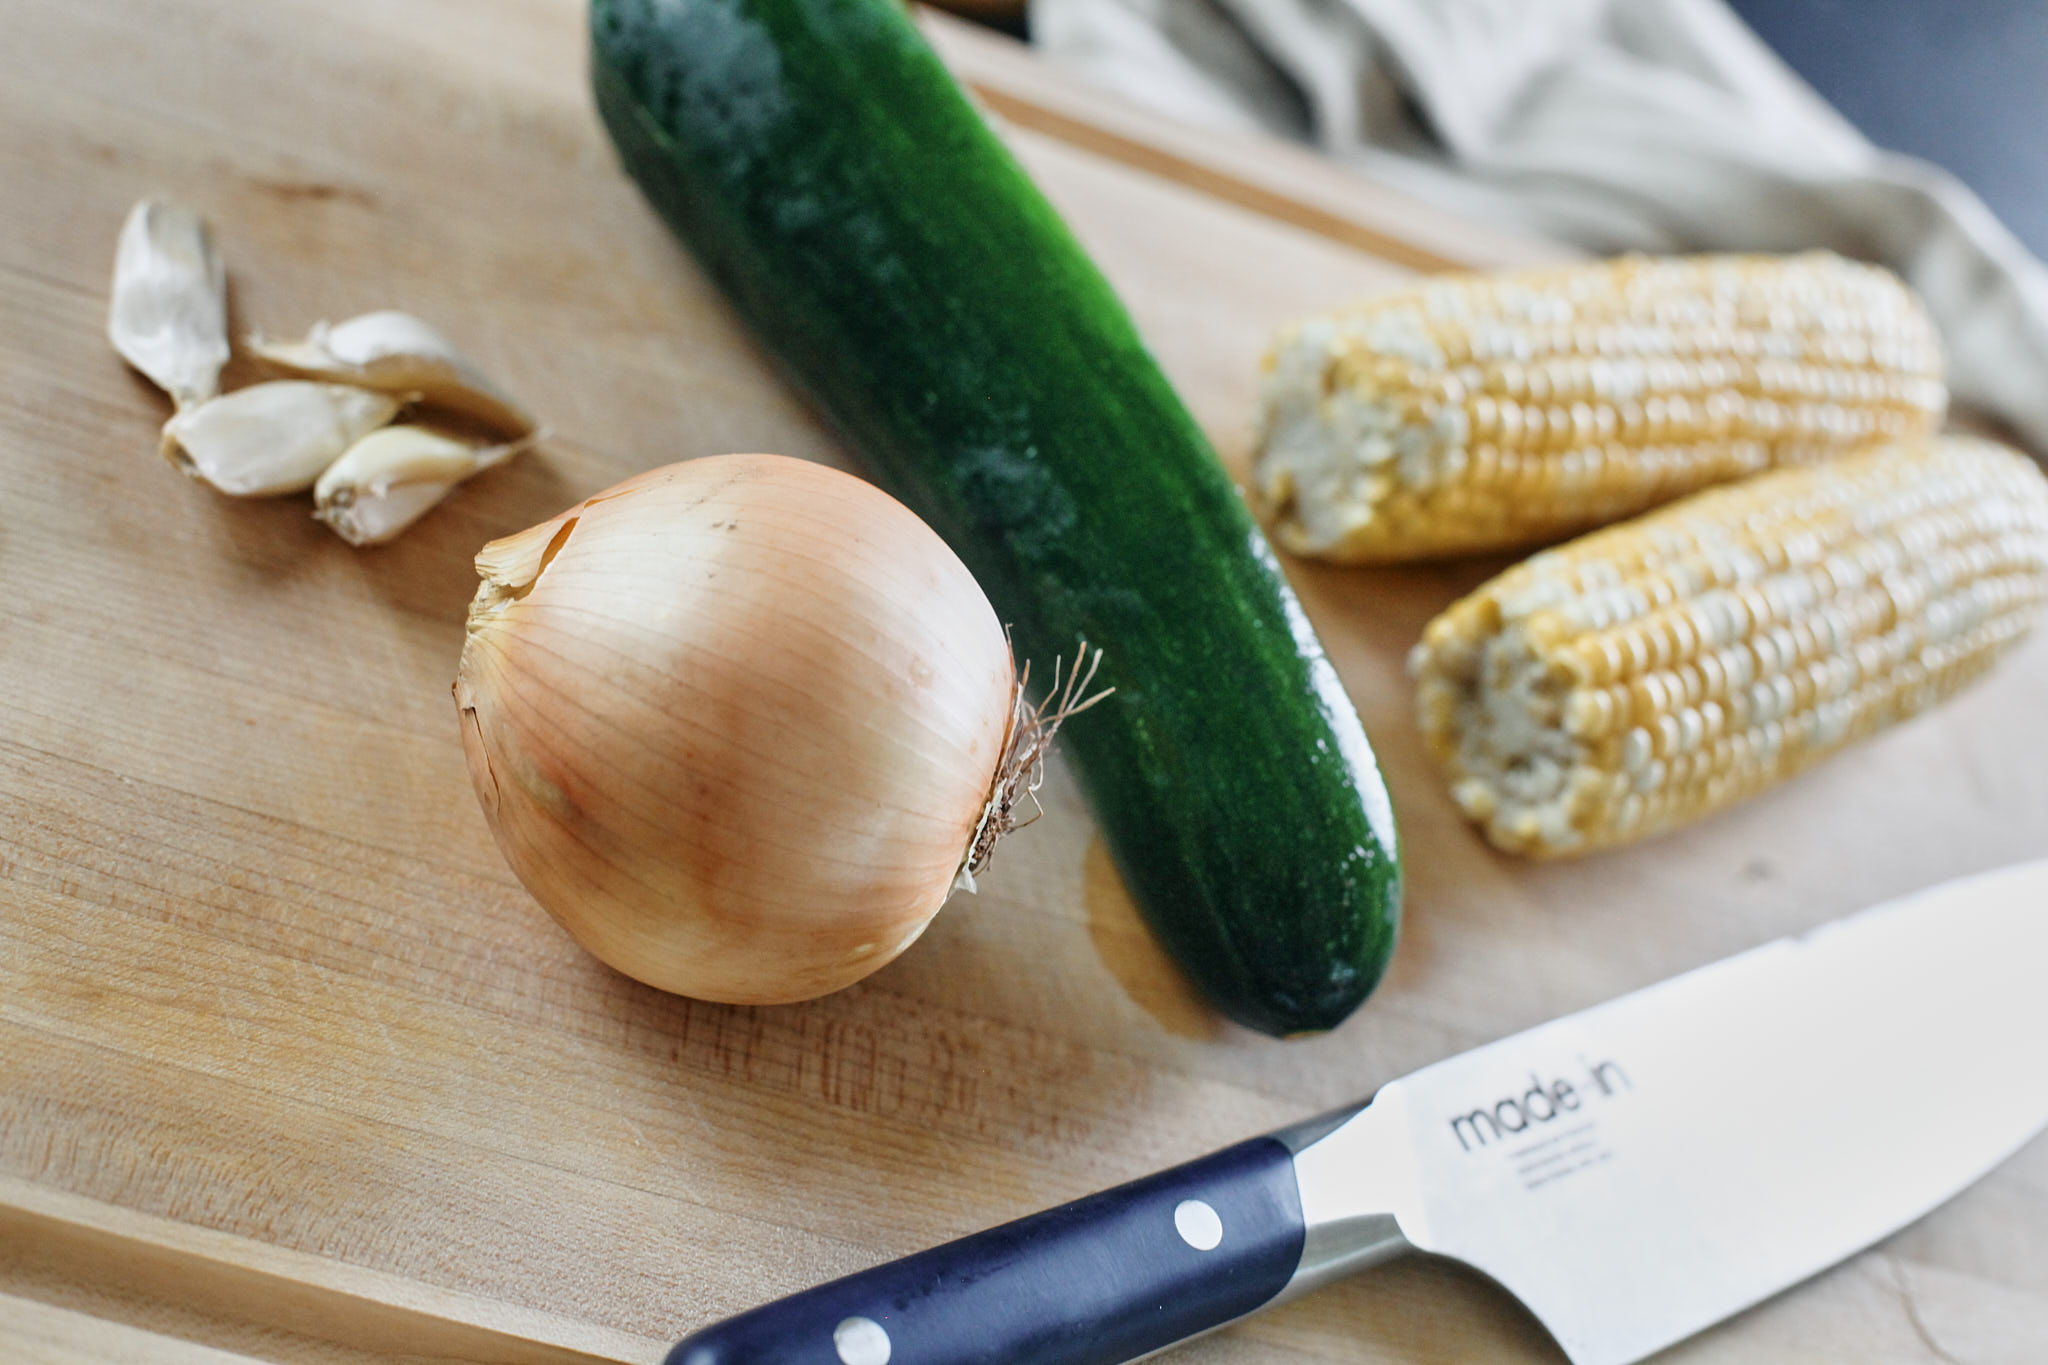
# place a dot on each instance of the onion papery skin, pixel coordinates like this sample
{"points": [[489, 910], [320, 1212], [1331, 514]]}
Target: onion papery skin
{"points": [[733, 723]]}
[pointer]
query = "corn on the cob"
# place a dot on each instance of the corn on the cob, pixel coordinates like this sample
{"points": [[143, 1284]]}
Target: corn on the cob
{"points": [[1468, 413], [1646, 674]]}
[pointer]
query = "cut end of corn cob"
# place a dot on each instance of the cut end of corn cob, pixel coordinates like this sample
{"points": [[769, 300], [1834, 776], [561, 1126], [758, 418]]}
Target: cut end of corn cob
{"points": [[1650, 673], [1468, 413]]}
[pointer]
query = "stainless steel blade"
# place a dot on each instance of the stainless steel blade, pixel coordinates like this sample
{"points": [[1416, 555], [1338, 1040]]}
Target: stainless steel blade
{"points": [[1642, 1169]]}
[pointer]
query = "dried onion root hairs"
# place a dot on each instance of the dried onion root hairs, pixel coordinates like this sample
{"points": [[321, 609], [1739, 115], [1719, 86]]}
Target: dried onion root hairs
{"points": [[1022, 766]]}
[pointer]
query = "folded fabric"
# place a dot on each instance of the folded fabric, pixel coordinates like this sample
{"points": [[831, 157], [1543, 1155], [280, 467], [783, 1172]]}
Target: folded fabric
{"points": [[1652, 125]]}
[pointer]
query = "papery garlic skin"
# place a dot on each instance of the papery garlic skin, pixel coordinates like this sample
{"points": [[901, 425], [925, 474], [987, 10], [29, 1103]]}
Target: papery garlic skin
{"points": [[394, 476], [272, 438], [167, 315], [397, 353], [733, 723]]}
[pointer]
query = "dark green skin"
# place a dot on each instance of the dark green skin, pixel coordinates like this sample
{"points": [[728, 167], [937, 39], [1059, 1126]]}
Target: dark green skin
{"points": [[827, 172]]}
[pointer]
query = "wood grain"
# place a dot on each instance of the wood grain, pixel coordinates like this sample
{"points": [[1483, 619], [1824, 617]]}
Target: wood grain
{"points": [[291, 1068], [126, 1285]]}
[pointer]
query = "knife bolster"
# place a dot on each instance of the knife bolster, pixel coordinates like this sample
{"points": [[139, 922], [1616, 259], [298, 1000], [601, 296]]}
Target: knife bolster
{"points": [[1349, 1166]]}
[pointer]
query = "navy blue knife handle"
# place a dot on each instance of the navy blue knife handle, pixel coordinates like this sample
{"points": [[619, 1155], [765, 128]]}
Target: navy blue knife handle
{"points": [[1101, 1280]]}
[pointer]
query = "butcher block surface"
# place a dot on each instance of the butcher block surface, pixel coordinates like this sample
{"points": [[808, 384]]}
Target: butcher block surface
{"points": [[292, 1069]]}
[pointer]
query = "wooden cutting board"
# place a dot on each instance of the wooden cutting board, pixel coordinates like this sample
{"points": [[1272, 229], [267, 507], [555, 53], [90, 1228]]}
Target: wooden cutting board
{"points": [[291, 1068]]}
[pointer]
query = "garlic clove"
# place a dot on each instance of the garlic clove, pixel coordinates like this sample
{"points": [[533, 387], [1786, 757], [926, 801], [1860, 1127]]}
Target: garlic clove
{"points": [[397, 353], [168, 314], [376, 518], [392, 477], [275, 437]]}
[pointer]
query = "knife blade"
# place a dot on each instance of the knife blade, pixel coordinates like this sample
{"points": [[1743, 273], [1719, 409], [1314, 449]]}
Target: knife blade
{"points": [[1632, 1173]]}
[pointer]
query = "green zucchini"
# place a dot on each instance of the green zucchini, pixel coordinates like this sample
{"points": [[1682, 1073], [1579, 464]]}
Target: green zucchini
{"points": [[824, 168]]}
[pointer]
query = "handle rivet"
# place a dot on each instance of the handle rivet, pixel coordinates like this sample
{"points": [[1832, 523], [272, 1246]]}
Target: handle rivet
{"points": [[1198, 1225], [861, 1341]]}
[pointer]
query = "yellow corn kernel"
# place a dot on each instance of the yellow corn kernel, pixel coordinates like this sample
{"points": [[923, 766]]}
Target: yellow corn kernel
{"points": [[1725, 642], [1577, 396]]}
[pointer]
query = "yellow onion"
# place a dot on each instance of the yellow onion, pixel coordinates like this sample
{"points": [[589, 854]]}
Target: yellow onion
{"points": [[740, 723]]}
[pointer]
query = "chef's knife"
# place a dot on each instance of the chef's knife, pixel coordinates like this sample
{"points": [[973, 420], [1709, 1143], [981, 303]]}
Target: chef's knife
{"points": [[1632, 1173]]}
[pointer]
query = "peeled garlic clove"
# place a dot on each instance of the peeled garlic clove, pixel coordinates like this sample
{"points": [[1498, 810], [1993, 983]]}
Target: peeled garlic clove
{"points": [[397, 353], [275, 437], [169, 314], [392, 477]]}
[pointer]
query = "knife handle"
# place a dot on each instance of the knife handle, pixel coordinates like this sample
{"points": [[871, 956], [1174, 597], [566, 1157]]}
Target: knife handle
{"points": [[1104, 1279]]}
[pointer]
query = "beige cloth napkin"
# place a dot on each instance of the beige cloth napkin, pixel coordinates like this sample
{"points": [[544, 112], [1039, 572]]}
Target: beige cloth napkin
{"points": [[1656, 125]]}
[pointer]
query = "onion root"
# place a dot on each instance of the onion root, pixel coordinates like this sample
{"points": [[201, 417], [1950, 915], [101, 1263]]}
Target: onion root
{"points": [[1021, 768]]}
